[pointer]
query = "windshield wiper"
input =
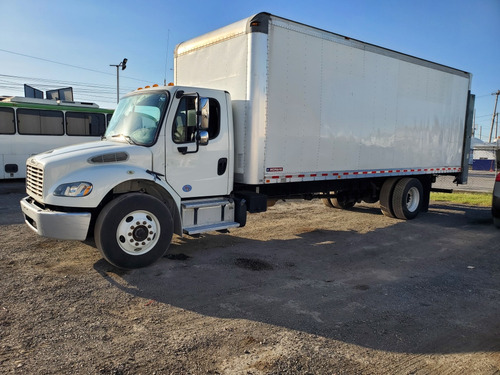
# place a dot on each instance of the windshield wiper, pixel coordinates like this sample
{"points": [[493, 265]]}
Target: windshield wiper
{"points": [[127, 138]]}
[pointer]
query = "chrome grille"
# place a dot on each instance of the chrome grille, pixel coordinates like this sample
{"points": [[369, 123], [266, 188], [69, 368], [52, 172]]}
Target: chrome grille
{"points": [[34, 180]]}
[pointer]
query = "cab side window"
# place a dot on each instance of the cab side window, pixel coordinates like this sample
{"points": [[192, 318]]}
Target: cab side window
{"points": [[184, 128], [185, 121]]}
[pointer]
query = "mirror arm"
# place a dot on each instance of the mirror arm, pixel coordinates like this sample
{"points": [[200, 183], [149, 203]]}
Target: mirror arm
{"points": [[184, 150]]}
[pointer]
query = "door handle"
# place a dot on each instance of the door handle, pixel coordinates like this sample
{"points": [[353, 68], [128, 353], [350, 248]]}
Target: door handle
{"points": [[221, 166]]}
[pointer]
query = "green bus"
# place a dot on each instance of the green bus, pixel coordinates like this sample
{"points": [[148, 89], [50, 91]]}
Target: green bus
{"points": [[29, 126]]}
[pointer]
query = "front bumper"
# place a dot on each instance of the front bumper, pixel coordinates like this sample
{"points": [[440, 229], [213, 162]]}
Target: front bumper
{"points": [[55, 224]]}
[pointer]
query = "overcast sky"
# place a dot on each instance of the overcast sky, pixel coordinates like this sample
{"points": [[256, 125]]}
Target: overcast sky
{"points": [[54, 44]]}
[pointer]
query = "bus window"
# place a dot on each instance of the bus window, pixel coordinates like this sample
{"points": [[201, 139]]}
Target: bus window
{"points": [[7, 125], [39, 122], [78, 123]]}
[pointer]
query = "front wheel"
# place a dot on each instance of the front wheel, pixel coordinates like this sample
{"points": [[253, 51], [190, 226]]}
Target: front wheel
{"points": [[133, 230]]}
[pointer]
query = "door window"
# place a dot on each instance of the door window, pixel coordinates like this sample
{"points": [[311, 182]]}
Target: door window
{"points": [[184, 128]]}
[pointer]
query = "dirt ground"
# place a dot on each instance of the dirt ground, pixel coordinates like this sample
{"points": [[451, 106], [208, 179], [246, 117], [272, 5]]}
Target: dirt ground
{"points": [[302, 289]]}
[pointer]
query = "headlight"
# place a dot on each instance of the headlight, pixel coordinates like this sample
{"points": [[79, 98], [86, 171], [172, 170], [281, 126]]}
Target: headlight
{"points": [[74, 189]]}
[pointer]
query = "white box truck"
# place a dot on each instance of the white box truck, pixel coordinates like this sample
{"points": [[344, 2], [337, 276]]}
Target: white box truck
{"points": [[261, 110]]}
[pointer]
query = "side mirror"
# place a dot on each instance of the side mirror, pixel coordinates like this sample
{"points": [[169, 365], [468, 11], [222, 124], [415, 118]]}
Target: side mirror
{"points": [[202, 137], [203, 113]]}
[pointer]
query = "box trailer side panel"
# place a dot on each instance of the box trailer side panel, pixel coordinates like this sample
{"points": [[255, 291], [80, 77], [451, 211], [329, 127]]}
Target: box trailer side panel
{"points": [[310, 104], [337, 105]]}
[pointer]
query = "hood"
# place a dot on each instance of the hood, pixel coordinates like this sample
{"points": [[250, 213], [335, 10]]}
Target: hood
{"points": [[62, 161]]}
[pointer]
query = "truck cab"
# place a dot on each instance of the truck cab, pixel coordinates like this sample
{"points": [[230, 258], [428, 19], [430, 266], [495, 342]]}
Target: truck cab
{"points": [[164, 166]]}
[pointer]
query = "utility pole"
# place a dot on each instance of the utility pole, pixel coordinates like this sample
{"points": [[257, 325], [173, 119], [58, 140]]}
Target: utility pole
{"points": [[123, 65], [494, 114], [166, 59], [496, 129], [474, 125]]}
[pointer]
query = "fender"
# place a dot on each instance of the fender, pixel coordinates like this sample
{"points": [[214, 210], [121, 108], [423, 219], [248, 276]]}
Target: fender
{"points": [[103, 179]]}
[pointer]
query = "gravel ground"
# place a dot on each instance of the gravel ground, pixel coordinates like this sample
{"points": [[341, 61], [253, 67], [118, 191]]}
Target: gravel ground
{"points": [[302, 289]]}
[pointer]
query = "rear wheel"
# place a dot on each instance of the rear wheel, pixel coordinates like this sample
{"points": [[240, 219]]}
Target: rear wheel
{"points": [[341, 202], [327, 202], [407, 198], [133, 230], [386, 196]]}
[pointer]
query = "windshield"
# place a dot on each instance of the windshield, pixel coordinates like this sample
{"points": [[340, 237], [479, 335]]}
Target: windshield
{"points": [[137, 118]]}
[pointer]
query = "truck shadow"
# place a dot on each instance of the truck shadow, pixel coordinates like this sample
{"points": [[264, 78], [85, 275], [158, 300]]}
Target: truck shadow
{"points": [[413, 287]]}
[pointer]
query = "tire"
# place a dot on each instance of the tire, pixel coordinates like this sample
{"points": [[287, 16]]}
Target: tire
{"points": [[133, 230], [371, 200], [407, 198], [327, 202], [340, 202], [386, 196]]}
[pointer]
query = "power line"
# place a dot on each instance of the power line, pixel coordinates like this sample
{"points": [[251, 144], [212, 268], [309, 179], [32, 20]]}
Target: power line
{"points": [[54, 62], [482, 96], [83, 92], [65, 64], [6, 81], [488, 115], [49, 84]]}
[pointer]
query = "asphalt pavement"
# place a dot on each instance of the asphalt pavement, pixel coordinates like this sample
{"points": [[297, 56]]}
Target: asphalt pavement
{"points": [[477, 182]]}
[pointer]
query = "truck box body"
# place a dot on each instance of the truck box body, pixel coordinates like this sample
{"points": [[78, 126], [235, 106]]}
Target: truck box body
{"points": [[313, 105]]}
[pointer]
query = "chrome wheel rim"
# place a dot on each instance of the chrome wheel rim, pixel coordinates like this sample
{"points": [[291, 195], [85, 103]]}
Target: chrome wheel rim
{"points": [[138, 232]]}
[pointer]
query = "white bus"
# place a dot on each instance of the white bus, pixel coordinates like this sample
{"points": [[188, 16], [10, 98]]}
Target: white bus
{"points": [[30, 126]]}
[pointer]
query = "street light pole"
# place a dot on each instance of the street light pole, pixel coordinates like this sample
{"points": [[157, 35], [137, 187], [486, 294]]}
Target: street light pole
{"points": [[123, 65]]}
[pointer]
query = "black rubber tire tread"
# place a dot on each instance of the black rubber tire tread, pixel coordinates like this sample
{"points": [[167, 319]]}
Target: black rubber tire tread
{"points": [[110, 217], [327, 202], [371, 200], [341, 204], [386, 196], [400, 195]]}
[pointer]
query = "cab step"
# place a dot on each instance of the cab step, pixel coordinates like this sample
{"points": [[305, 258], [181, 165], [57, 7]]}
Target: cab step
{"points": [[197, 229], [205, 215]]}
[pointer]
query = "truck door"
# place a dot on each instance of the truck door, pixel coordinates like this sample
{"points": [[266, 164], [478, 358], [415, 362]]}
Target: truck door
{"points": [[195, 170]]}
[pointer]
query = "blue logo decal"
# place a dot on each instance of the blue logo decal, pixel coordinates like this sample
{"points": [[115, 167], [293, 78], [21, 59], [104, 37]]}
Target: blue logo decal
{"points": [[187, 188]]}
